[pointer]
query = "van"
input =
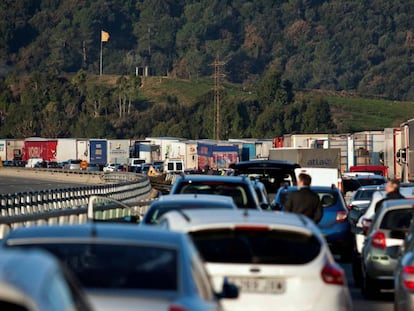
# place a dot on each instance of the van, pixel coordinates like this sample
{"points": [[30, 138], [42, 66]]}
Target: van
{"points": [[174, 166], [322, 176]]}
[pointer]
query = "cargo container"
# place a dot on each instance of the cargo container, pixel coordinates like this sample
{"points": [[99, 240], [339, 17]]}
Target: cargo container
{"points": [[190, 161], [82, 150], [368, 147], [98, 150], [216, 155], [165, 144], [118, 151], [392, 144], [37, 147], [66, 149], [307, 157], [301, 140]]}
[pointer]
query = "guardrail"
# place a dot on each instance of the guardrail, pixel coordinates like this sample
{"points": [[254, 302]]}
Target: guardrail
{"points": [[70, 205]]}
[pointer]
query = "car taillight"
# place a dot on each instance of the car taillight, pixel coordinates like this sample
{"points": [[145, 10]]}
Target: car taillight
{"points": [[350, 207], [378, 240], [366, 223], [175, 307], [333, 274], [408, 277], [341, 216]]}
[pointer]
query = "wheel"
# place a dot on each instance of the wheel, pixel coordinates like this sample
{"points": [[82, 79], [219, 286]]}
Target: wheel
{"points": [[356, 269], [369, 288]]}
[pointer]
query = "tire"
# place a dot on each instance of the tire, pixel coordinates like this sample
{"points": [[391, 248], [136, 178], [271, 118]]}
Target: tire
{"points": [[369, 288]]}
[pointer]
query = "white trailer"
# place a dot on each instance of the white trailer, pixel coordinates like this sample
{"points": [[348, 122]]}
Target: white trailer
{"points": [[82, 150], [118, 151], [66, 149]]}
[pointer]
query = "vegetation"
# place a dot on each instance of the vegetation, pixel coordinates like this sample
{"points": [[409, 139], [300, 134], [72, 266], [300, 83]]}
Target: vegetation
{"points": [[50, 58]]}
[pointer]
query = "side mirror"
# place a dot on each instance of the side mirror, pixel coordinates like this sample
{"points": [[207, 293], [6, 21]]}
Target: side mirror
{"points": [[229, 290]]}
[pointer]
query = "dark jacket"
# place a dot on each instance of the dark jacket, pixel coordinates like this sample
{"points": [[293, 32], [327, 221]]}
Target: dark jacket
{"points": [[389, 196], [304, 201]]}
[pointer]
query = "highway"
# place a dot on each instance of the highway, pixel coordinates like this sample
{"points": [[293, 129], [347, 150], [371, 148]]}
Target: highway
{"points": [[12, 184]]}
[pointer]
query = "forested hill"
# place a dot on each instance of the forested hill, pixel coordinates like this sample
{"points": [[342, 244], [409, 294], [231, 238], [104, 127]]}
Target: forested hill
{"points": [[353, 45]]}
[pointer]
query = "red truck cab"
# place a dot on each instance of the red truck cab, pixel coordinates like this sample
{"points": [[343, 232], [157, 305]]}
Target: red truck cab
{"points": [[376, 169]]}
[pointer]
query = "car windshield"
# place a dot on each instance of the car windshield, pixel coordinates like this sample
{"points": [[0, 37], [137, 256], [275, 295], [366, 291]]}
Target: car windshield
{"points": [[397, 219], [235, 190], [250, 245], [157, 210], [117, 266], [328, 198]]}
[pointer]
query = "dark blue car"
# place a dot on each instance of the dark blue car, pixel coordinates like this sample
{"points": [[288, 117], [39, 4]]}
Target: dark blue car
{"points": [[334, 224]]}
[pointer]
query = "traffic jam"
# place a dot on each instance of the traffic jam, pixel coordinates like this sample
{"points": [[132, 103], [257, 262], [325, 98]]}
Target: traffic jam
{"points": [[268, 234]]}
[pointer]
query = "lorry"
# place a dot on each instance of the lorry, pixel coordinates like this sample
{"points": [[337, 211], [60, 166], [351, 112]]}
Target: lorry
{"points": [[308, 157], [216, 155], [405, 155], [98, 151], [37, 147]]}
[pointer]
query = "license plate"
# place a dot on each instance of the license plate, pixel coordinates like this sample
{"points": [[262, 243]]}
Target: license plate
{"points": [[259, 285]]}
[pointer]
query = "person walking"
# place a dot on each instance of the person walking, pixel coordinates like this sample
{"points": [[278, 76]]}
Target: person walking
{"points": [[392, 190], [304, 200]]}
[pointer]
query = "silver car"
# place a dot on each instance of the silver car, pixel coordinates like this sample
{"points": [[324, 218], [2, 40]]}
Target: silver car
{"points": [[55, 288], [124, 267], [404, 275], [382, 244]]}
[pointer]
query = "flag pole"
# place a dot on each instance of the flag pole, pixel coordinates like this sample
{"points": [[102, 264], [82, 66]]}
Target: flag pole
{"points": [[100, 63]]}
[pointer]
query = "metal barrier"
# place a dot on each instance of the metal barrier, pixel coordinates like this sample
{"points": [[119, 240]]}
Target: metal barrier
{"points": [[57, 206]]}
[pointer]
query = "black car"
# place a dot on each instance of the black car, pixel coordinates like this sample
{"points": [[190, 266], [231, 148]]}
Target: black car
{"points": [[272, 173]]}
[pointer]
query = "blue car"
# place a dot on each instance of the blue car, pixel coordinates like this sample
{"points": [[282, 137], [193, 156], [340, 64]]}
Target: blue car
{"points": [[334, 224]]}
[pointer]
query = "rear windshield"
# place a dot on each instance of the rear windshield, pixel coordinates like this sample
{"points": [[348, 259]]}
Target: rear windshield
{"points": [[328, 198], [364, 194], [156, 211], [118, 266], [255, 246], [237, 191], [397, 219]]}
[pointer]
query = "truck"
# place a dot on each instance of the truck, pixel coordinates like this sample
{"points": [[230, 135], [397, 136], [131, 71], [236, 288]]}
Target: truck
{"points": [[216, 155], [405, 155], [308, 157], [118, 150], [11, 149], [66, 149], [37, 147], [98, 150]]}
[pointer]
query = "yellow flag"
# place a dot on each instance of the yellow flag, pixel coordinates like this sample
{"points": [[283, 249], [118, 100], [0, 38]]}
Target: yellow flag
{"points": [[104, 36]]}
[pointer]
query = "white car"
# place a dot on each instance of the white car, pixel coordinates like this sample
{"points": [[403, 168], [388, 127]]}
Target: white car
{"points": [[279, 261], [109, 167]]}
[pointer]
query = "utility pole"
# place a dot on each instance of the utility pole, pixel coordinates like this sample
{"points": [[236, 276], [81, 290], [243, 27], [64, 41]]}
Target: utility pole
{"points": [[217, 87]]}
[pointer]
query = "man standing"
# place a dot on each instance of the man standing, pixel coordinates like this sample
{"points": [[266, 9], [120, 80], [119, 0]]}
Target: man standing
{"points": [[304, 200], [392, 189]]}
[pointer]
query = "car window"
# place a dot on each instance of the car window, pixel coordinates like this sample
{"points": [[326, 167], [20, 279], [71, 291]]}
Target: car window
{"points": [[256, 246], [397, 219], [328, 198], [364, 194], [234, 190], [10, 306], [118, 266], [371, 181]]}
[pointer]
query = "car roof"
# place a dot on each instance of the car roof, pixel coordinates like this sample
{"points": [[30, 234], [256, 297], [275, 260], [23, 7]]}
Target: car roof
{"points": [[398, 204], [371, 187], [202, 178], [193, 220], [209, 198], [95, 232]]}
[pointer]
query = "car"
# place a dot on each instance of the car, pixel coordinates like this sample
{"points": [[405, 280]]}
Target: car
{"points": [[404, 274], [360, 201], [272, 173], [352, 183], [74, 164], [365, 220], [240, 188], [381, 247], [279, 261], [123, 267], [109, 167], [168, 203], [334, 223], [33, 280]]}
